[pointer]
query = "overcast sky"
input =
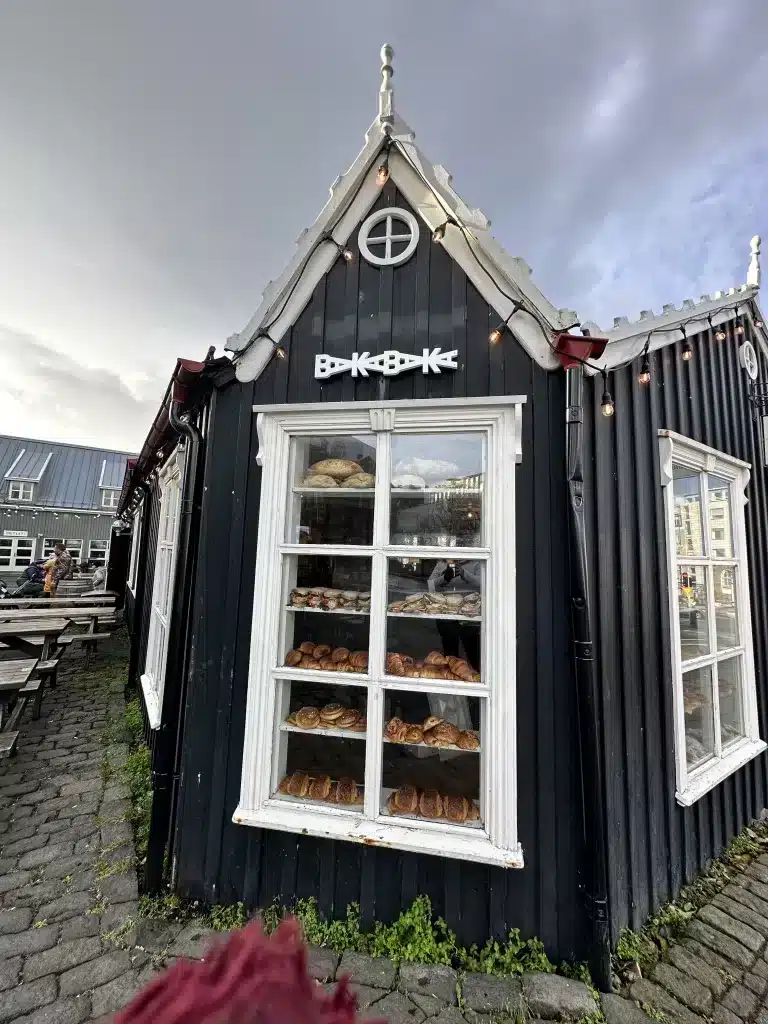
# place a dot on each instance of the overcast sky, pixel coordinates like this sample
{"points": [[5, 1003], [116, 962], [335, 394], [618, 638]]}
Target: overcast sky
{"points": [[158, 159]]}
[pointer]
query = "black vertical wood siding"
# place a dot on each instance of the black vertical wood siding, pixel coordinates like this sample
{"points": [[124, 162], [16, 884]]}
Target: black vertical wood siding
{"points": [[356, 307], [656, 846]]}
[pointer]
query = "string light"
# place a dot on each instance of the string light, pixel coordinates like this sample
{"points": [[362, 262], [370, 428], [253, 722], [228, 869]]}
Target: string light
{"points": [[279, 351], [607, 405], [344, 251], [382, 175], [758, 324], [644, 377], [719, 333], [498, 332], [739, 328], [439, 233]]}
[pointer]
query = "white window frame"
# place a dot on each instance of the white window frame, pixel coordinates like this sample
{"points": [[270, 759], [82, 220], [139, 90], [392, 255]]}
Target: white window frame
{"points": [[110, 498], [99, 551], [161, 608], [138, 523], [20, 490], [48, 545], [676, 450], [13, 557], [500, 418]]}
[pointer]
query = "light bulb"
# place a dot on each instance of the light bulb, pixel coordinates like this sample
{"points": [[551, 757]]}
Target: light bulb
{"points": [[644, 377], [607, 406], [719, 334], [280, 352], [348, 255], [439, 233], [382, 175], [758, 324], [496, 335], [739, 328], [687, 351]]}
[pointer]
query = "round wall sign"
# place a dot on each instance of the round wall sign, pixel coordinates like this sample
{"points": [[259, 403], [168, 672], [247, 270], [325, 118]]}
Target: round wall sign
{"points": [[388, 237], [748, 359]]}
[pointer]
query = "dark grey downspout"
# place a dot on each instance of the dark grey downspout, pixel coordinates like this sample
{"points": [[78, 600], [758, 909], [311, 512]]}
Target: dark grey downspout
{"points": [[164, 758], [587, 690], [138, 602]]}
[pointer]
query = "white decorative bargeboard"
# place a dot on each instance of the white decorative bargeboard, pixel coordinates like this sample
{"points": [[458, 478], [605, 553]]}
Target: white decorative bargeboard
{"points": [[390, 363]]}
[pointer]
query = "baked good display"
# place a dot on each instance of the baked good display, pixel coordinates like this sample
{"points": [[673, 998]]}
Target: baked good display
{"points": [[404, 800], [434, 732], [434, 666], [331, 713], [466, 605], [331, 716], [326, 659], [339, 469], [432, 804], [321, 788], [338, 473], [329, 599]]}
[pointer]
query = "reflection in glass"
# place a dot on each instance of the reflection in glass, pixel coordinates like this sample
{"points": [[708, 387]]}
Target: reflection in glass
{"points": [[688, 519], [719, 511], [694, 612], [431, 767], [729, 692], [333, 490], [726, 621], [437, 487], [699, 720]]}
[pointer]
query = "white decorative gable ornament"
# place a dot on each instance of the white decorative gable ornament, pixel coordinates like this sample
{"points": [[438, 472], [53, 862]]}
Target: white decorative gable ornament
{"points": [[399, 226], [389, 363], [748, 359]]}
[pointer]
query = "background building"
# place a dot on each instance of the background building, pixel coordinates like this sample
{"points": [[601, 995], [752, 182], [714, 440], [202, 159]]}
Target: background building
{"points": [[53, 492]]}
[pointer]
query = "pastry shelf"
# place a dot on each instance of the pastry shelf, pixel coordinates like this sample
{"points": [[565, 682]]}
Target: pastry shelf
{"points": [[428, 746], [307, 801], [325, 611], [385, 812], [345, 734], [435, 615], [334, 490], [435, 490]]}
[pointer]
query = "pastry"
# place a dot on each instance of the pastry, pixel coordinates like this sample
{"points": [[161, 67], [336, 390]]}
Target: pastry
{"points": [[395, 665], [361, 725], [475, 678], [315, 600], [413, 672], [291, 720], [464, 671], [453, 662], [347, 718], [307, 647], [320, 788], [331, 712], [473, 814], [346, 791], [414, 734], [284, 785], [431, 672], [308, 718], [393, 728], [446, 732], [359, 660], [397, 606], [361, 480], [347, 666], [431, 804], [321, 651], [328, 665], [293, 658], [339, 655], [430, 739], [435, 658], [408, 661], [468, 740], [454, 601], [298, 784], [338, 469], [430, 722], [404, 800], [318, 480], [307, 662], [455, 808]]}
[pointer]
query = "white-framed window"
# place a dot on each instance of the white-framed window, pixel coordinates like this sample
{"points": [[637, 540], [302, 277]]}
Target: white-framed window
{"points": [[110, 499], [713, 670], [153, 679], [98, 551], [16, 552], [18, 491], [138, 522], [386, 530], [73, 546]]}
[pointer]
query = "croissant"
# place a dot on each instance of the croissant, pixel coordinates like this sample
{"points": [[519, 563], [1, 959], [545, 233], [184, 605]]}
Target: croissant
{"points": [[307, 647], [346, 666], [413, 672], [408, 661], [455, 808], [395, 665], [327, 665], [435, 658], [293, 658], [413, 734], [359, 660], [453, 661], [431, 672], [468, 740], [339, 655], [392, 730], [430, 739], [321, 651], [320, 788], [431, 804], [473, 814], [284, 785], [307, 662], [430, 722], [464, 672]]}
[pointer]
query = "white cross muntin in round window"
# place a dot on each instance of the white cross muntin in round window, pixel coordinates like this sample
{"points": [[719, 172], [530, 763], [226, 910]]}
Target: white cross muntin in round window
{"points": [[388, 237]]}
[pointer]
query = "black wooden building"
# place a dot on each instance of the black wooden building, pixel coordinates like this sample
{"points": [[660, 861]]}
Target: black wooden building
{"points": [[610, 704]]}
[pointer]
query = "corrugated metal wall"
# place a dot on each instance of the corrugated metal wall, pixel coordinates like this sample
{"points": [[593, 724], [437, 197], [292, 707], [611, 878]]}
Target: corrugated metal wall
{"points": [[656, 845], [427, 301], [51, 525]]}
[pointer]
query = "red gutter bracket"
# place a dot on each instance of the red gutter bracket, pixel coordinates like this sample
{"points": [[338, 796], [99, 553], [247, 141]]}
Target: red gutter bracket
{"points": [[573, 349]]}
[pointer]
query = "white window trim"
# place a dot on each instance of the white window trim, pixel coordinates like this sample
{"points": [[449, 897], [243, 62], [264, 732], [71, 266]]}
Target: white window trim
{"points": [[99, 550], [674, 449], [138, 524], [20, 485], [497, 843], [153, 678], [113, 495], [13, 557]]}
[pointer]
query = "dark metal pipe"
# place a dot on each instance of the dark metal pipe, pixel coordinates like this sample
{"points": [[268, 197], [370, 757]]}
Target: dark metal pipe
{"points": [[138, 602], [587, 691], [169, 733]]}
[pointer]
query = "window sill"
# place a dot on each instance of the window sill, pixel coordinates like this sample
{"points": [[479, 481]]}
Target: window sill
{"points": [[712, 775], [354, 828], [151, 702]]}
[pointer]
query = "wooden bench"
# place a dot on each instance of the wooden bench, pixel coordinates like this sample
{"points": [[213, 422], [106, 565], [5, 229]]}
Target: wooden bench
{"points": [[34, 688], [8, 741], [88, 640]]}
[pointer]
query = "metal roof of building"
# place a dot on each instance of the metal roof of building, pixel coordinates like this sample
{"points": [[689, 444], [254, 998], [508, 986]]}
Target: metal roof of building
{"points": [[64, 475]]}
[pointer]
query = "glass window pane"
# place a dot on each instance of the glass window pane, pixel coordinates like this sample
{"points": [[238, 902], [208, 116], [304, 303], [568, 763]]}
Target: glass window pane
{"points": [[726, 619], [321, 747], [730, 693], [332, 490], [434, 616], [327, 612], [431, 757], [688, 533], [719, 511], [437, 489], [694, 611], [699, 716]]}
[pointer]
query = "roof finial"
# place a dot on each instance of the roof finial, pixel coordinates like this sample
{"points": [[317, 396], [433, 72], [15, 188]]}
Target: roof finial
{"points": [[753, 274], [386, 95]]}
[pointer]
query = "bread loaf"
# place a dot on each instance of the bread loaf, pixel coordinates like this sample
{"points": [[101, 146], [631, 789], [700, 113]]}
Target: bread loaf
{"points": [[322, 480], [293, 658], [431, 804], [468, 740], [360, 480], [346, 791], [320, 788], [339, 655], [307, 647], [338, 469], [299, 784], [405, 800]]}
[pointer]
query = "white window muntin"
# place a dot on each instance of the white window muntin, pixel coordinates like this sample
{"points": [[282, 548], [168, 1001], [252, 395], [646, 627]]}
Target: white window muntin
{"points": [[18, 491], [138, 521], [16, 552], [679, 451], [153, 679], [110, 499], [98, 551], [74, 547], [500, 419]]}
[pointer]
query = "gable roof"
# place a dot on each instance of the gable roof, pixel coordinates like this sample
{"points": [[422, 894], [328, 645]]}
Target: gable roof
{"points": [[65, 475], [504, 281]]}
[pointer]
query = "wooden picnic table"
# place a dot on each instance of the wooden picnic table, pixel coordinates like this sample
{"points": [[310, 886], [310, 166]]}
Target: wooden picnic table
{"points": [[66, 612], [13, 676], [57, 602], [33, 637]]}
